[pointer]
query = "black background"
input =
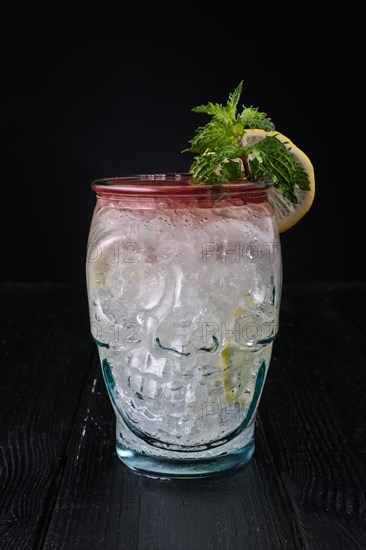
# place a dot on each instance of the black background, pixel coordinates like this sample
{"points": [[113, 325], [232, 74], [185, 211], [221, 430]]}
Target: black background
{"points": [[96, 93]]}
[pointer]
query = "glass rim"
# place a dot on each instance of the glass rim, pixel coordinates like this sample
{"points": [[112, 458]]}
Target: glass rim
{"points": [[172, 184]]}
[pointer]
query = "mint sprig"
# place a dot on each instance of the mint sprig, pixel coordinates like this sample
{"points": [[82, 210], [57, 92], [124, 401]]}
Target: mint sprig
{"points": [[221, 156]]}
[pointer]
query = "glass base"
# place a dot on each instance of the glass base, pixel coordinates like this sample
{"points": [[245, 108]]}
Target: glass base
{"points": [[185, 468]]}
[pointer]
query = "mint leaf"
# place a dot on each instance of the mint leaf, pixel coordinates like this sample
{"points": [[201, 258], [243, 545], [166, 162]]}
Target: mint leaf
{"points": [[252, 118], [220, 165], [233, 101], [225, 114], [214, 135], [272, 158]]}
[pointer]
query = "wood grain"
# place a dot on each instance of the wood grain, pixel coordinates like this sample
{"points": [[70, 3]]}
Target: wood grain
{"points": [[313, 410], [102, 505], [44, 362]]}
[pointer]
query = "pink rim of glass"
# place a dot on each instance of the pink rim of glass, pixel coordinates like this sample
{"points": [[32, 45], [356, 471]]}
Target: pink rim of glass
{"points": [[179, 188]]}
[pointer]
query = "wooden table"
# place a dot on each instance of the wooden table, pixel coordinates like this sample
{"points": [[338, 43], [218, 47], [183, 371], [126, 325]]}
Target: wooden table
{"points": [[62, 487]]}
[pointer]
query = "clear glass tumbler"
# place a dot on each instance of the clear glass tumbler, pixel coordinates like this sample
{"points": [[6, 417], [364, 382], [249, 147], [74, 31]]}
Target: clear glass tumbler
{"points": [[184, 287]]}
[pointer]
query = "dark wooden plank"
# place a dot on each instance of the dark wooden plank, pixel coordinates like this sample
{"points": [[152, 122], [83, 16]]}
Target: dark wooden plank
{"points": [[45, 357], [102, 504], [313, 410]]}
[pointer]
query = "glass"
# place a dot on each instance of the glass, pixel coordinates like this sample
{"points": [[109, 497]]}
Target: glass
{"points": [[184, 286]]}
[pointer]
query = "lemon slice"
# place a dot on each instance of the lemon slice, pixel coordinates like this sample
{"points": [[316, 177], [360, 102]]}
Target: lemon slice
{"points": [[286, 213], [236, 365]]}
